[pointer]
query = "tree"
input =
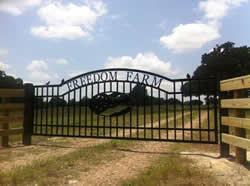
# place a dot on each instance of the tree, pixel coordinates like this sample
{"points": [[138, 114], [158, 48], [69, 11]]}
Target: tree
{"points": [[7, 81], [173, 101], [194, 102], [139, 94], [57, 101], [84, 101], [224, 62]]}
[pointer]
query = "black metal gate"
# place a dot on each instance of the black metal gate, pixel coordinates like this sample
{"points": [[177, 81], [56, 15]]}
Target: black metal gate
{"points": [[128, 104]]}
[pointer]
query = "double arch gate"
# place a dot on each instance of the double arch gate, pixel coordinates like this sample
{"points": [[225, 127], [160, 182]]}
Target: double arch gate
{"points": [[128, 104]]}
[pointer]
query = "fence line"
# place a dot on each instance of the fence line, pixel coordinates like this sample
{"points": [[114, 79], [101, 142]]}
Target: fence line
{"points": [[234, 116], [7, 106]]}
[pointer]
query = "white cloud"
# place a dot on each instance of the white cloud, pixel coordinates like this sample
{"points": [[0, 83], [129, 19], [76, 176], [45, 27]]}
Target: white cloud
{"points": [[17, 7], [39, 76], [37, 65], [62, 61], [115, 16], [217, 9], [3, 52], [190, 36], [4, 66], [38, 70], [58, 32], [69, 21], [146, 61], [76, 73]]}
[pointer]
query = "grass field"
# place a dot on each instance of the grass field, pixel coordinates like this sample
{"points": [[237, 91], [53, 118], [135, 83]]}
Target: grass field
{"points": [[163, 171], [68, 121], [61, 169]]}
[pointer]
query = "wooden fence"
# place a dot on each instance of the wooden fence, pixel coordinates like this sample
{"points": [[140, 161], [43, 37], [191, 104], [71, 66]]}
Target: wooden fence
{"points": [[7, 106], [234, 113]]}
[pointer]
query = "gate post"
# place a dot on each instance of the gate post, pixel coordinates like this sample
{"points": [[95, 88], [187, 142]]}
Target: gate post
{"points": [[224, 147], [5, 125], [28, 113]]}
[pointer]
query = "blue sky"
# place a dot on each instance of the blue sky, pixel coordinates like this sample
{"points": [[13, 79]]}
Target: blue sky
{"points": [[42, 40]]}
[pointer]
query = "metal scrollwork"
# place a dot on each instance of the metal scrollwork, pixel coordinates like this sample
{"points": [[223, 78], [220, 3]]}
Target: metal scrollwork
{"points": [[110, 103]]}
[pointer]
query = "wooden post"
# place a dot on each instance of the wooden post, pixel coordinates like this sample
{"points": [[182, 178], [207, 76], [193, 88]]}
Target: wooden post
{"points": [[5, 125], [224, 147], [241, 154], [28, 113]]}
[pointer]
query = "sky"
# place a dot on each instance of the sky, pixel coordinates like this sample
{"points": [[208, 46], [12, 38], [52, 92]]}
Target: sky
{"points": [[50, 40]]}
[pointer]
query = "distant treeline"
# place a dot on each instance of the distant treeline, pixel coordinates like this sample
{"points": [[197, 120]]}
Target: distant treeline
{"points": [[85, 101]]}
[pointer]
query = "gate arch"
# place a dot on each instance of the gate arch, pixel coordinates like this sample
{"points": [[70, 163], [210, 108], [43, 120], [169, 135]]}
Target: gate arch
{"points": [[124, 104]]}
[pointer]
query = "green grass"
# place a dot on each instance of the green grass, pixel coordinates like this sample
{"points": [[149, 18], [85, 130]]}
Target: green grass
{"points": [[76, 124], [176, 170], [169, 170], [57, 170], [172, 170]]}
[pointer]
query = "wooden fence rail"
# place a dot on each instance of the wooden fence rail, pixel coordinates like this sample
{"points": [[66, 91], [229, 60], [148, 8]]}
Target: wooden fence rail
{"points": [[7, 106], [235, 117]]}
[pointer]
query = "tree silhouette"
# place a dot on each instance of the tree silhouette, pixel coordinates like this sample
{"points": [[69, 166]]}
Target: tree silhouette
{"points": [[7, 81], [139, 94], [225, 61], [57, 101]]}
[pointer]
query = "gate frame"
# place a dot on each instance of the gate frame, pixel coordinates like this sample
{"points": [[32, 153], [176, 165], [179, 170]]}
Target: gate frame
{"points": [[30, 99]]}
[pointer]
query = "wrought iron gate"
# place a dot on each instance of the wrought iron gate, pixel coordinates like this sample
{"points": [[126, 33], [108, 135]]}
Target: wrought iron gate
{"points": [[128, 104]]}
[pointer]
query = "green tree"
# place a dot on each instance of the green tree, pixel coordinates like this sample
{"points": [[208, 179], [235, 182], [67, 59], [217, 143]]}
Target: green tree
{"points": [[138, 94], [224, 62], [7, 81], [57, 101]]}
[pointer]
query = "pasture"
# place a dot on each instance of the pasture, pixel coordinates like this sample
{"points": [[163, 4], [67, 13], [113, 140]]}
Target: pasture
{"points": [[63, 161]]}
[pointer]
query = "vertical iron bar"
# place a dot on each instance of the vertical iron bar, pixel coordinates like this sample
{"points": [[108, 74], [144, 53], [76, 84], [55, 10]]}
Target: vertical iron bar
{"points": [[130, 114], [152, 119], [208, 117], [47, 108], [68, 110], [52, 112], [74, 112], [104, 119], [92, 94], [167, 115], [137, 118], [63, 115], [110, 126], [36, 103], [144, 111], [41, 112], [86, 111], [199, 108], [57, 110], [215, 112], [182, 112], [98, 119], [123, 130], [80, 112], [174, 111], [110, 117], [117, 90], [159, 112], [191, 112]]}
